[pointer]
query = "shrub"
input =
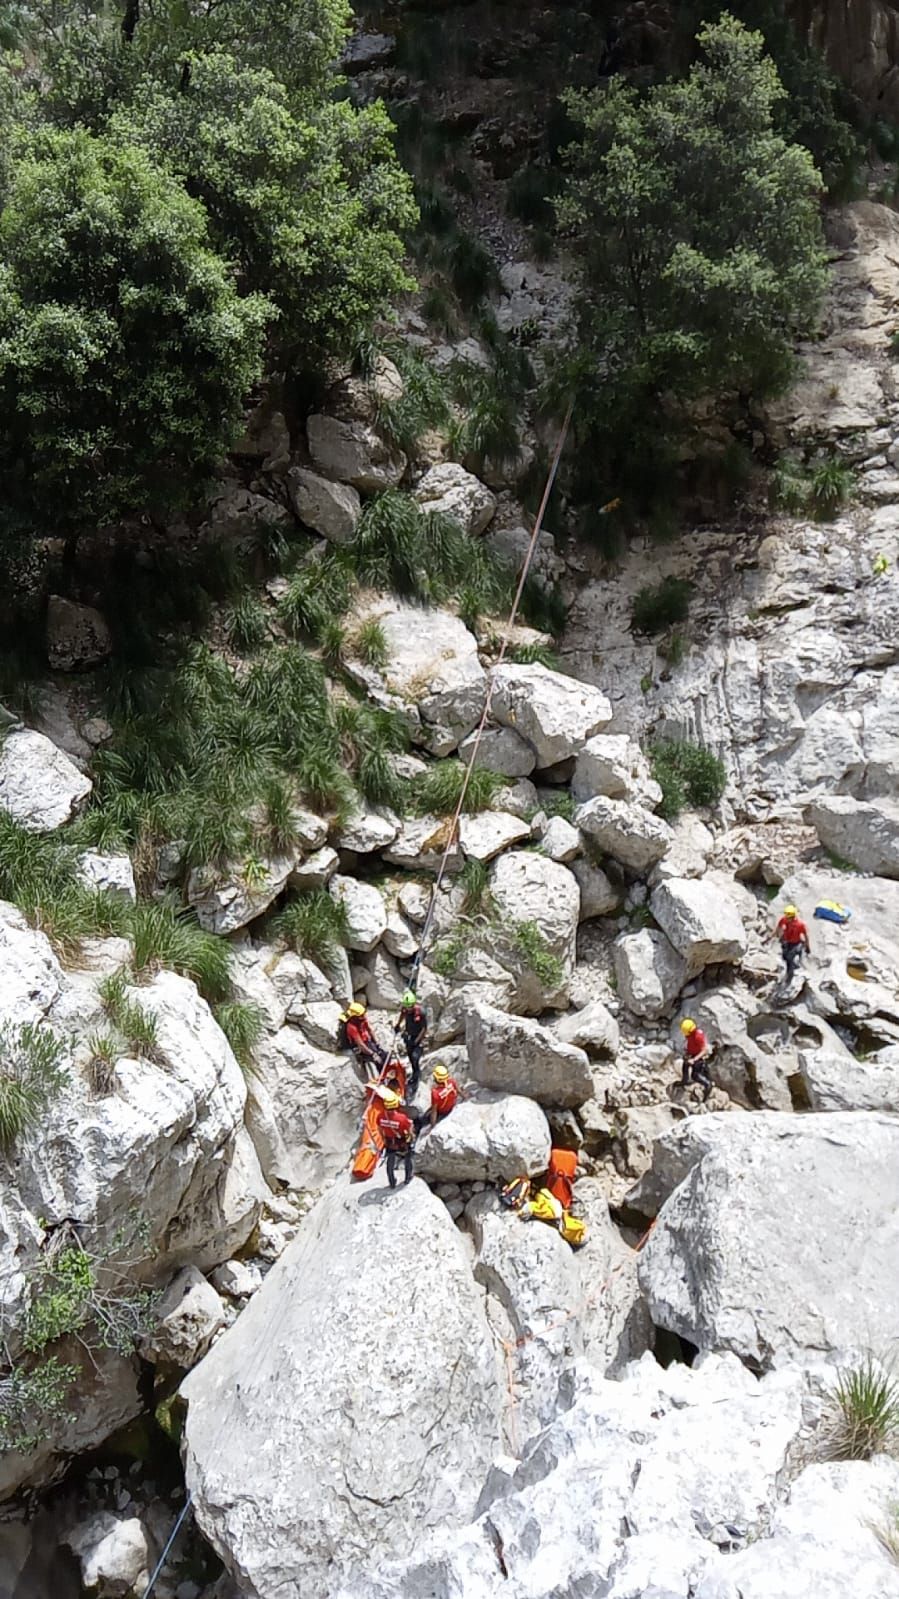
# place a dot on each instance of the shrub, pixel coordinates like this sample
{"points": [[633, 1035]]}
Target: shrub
{"points": [[137, 1027], [534, 655], [528, 195], [830, 484], [243, 1026], [371, 644], [789, 489], [164, 934], [534, 950], [37, 872], [32, 1402], [30, 1075], [473, 880], [313, 924], [686, 773], [866, 1403], [472, 269], [245, 624], [422, 405], [561, 803], [446, 954], [437, 792], [660, 605]]}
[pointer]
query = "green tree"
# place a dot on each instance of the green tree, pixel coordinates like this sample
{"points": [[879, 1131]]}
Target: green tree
{"points": [[309, 205], [698, 233], [125, 350]]}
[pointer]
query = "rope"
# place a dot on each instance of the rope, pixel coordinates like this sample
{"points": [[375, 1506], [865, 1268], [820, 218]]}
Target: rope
{"points": [[485, 714], [165, 1553]]}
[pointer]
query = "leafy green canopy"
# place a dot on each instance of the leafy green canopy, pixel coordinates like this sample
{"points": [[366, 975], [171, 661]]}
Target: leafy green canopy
{"points": [[184, 203], [125, 351], [698, 233]]}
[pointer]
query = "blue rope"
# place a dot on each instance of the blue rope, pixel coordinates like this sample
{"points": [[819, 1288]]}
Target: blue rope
{"points": [[165, 1553]]}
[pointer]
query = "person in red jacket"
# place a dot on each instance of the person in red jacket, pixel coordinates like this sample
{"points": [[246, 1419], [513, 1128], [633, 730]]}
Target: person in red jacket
{"points": [[793, 935], [398, 1134], [360, 1039], [445, 1095], [696, 1051]]}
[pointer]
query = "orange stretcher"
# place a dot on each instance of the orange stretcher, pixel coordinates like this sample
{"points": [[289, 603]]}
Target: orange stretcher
{"points": [[371, 1144]]}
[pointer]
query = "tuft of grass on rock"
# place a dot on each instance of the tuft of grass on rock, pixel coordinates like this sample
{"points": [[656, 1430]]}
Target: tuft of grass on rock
{"points": [[658, 606], [313, 924], [865, 1402]]}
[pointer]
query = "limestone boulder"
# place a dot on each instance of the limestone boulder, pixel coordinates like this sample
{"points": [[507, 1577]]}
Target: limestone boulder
{"points": [[224, 900], [501, 750], [818, 1267], [542, 895], [325, 1323], [691, 849], [490, 1137], [115, 1553], [186, 1319], [420, 844], [353, 453], [837, 1082], [593, 1028], [433, 676], [599, 896], [107, 874], [358, 398], [331, 509], [863, 832], [448, 490], [487, 834], [555, 713], [365, 909], [77, 635], [701, 920], [614, 765], [315, 870], [40, 788], [560, 841], [649, 971], [629, 833], [516, 1055], [366, 831], [315, 1104]]}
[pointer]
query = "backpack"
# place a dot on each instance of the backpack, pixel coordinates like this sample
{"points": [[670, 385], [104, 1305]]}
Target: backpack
{"points": [[342, 1040], [829, 910]]}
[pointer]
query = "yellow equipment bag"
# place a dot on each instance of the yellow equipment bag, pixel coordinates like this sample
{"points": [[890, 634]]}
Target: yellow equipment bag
{"points": [[573, 1230]]}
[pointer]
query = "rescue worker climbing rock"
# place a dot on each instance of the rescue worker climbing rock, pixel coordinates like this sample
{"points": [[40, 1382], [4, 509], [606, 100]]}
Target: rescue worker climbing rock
{"points": [[695, 1058], [398, 1134], [445, 1096], [793, 935], [412, 1022], [356, 1034]]}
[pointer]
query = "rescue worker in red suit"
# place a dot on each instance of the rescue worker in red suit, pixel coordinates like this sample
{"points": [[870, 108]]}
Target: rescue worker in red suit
{"points": [[696, 1050], [360, 1038], [793, 935], [398, 1134]]}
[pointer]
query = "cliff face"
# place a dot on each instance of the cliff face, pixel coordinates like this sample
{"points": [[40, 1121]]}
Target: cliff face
{"points": [[860, 40]]}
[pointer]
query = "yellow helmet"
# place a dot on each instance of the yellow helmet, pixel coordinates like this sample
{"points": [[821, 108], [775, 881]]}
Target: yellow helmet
{"points": [[688, 1025], [355, 1009], [392, 1101], [440, 1074], [790, 911]]}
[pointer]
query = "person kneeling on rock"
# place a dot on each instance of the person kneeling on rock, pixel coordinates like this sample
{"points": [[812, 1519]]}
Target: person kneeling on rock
{"points": [[398, 1134], [696, 1057]]}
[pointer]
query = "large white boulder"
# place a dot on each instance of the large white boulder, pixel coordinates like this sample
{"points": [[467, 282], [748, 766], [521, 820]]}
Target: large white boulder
{"points": [[352, 452], [40, 788], [224, 900], [517, 1055], [865, 833], [560, 841], [332, 509], [599, 896], [453, 492], [501, 750], [649, 971], [311, 1109], [527, 888], [841, 1082], [420, 844], [312, 1495], [612, 764], [107, 874], [186, 1319], [701, 920], [555, 713], [433, 675], [692, 845], [115, 1554], [629, 833], [593, 1028], [488, 833], [365, 909], [490, 1137], [781, 1238], [367, 830]]}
